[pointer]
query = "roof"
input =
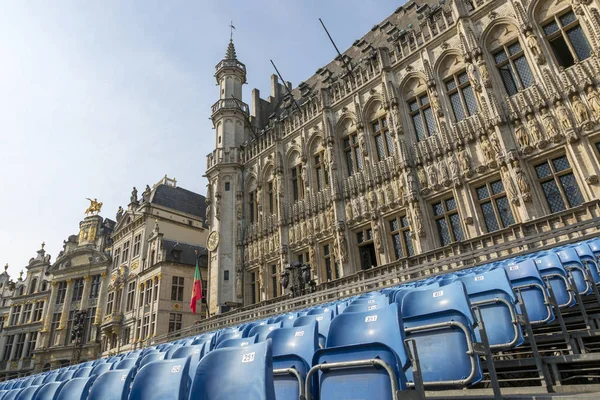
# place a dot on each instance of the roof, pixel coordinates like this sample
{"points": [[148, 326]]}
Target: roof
{"points": [[179, 199], [187, 253], [403, 20]]}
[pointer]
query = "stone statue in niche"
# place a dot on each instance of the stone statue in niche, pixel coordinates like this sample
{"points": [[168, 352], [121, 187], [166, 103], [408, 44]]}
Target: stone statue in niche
{"points": [[483, 71], [495, 143], [349, 210], [432, 175], [342, 245], [355, 207], [486, 148], [435, 102], [522, 137], [550, 126], [581, 112], [509, 186], [389, 193], [292, 236], [410, 182], [238, 283], [372, 201], [418, 219], [593, 98], [422, 177], [563, 115], [453, 165], [465, 163], [534, 46], [377, 238], [522, 181], [535, 132], [472, 74], [443, 169]]}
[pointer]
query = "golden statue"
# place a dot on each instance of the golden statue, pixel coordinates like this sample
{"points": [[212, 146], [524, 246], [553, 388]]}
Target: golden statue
{"points": [[94, 208]]}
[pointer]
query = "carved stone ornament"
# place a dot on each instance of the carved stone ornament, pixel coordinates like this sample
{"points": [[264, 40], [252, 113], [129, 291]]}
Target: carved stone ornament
{"points": [[534, 47], [581, 113], [550, 126]]}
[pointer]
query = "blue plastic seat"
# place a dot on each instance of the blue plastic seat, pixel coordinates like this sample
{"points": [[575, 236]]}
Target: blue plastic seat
{"points": [[65, 376], [112, 385], [441, 323], [225, 336], [83, 372], [293, 348], [238, 342], [151, 357], [359, 308], [261, 331], [374, 336], [39, 379], [27, 393], [492, 294], [323, 321], [571, 262], [52, 377], [76, 389], [526, 279], [595, 247], [194, 353], [286, 320], [100, 369], [12, 394], [162, 380], [552, 270], [126, 363], [588, 259], [49, 391], [249, 374]]}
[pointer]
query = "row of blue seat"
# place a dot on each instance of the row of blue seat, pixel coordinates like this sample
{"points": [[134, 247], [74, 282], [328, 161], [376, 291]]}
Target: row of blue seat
{"points": [[362, 347]]}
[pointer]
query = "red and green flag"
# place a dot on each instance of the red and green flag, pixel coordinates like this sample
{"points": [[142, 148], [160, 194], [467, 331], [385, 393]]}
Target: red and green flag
{"points": [[196, 289]]}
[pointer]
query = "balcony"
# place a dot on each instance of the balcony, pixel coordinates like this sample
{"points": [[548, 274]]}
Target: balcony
{"points": [[230, 64], [230, 104]]}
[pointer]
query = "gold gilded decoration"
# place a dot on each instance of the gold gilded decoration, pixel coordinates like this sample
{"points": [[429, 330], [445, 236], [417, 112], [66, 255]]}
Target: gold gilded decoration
{"points": [[94, 207], [135, 264], [213, 241]]}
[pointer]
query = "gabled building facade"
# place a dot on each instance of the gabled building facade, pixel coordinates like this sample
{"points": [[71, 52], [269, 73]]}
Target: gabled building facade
{"points": [[156, 243]]}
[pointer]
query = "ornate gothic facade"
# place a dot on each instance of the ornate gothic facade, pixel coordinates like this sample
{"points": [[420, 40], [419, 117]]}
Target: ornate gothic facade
{"points": [[444, 123]]}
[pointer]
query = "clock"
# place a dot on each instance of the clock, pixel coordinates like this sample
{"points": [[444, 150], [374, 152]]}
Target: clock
{"points": [[213, 241]]}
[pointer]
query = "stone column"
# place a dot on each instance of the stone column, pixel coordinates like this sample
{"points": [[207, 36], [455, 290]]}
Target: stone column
{"points": [[13, 350], [66, 305], [49, 309], [101, 296], [30, 320], [26, 346], [87, 289]]}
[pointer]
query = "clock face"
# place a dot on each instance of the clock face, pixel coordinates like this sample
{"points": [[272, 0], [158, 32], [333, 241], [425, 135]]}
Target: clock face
{"points": [[213, 241]]}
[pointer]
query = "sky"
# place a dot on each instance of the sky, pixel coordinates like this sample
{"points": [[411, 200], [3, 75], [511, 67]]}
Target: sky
{"points": [[98, 97]]}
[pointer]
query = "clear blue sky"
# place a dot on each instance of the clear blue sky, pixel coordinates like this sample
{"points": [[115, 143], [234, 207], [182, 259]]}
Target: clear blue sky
{"points": [[97, 97]]}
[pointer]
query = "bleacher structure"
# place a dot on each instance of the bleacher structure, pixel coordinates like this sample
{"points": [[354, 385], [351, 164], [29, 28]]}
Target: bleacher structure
{"points": [[525, 326]]}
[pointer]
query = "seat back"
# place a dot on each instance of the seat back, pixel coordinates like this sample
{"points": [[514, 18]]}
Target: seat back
{"points": [[194, 353], [588, 259], [27, 393], [76, 389], [163, 379], [525, 278], [323, 321], [286, 320], [249, 374], [571, 262], [492, 294], [12, 394], [151, 357], [52, 377], [39, 379], [227, 335], [126, 363], [65, 376], [49, 391], [83, 372], [112, 385], [100, 369], [261, 331], [552, 270], [444, 350], [239, 342]]}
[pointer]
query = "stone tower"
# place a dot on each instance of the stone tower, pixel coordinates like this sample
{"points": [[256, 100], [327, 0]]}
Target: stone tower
{"points": [[225, 185]]}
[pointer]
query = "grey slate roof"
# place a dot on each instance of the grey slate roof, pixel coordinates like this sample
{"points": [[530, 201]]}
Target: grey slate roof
{"points": [[179, 199], [187, 253]]}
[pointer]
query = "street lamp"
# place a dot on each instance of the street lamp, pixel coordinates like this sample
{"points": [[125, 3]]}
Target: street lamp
{"points": [[79, 320], [296, 276]]}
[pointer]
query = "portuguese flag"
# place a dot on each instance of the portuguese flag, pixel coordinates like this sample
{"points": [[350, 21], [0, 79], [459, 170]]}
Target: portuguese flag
{"points": [[196, 289]]}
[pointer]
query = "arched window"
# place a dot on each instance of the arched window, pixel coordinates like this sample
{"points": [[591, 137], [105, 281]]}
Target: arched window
{"points": [[351, 147], [419, 109], [384, 144], [513, 67], [296, 177], [564, 35], [509, 58], [252, 200], [44, 286], [20, 291], [461, 95], [321, 175], [33, 285]]}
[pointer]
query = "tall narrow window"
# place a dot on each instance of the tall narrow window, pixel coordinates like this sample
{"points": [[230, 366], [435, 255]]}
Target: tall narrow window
{"points": [[252, 205], [175, 321], [495, 206], [448, 221], [110, 302], [400, 235], [116, 258], [567, 39], [366, 249], [352, 153], [422, 117], [513, 68], [61, 292], [297, 184], [130, 296], [27, 312], [77, 290], [559, 184], [274, 283], [253, 285], [16, 315], [20, 344], [32, 344], [95, 289], [38, 311], [462, 97], [53, 327], [271, 196], [136, 245], [8, 347], [125, 252], [383, 138]]}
